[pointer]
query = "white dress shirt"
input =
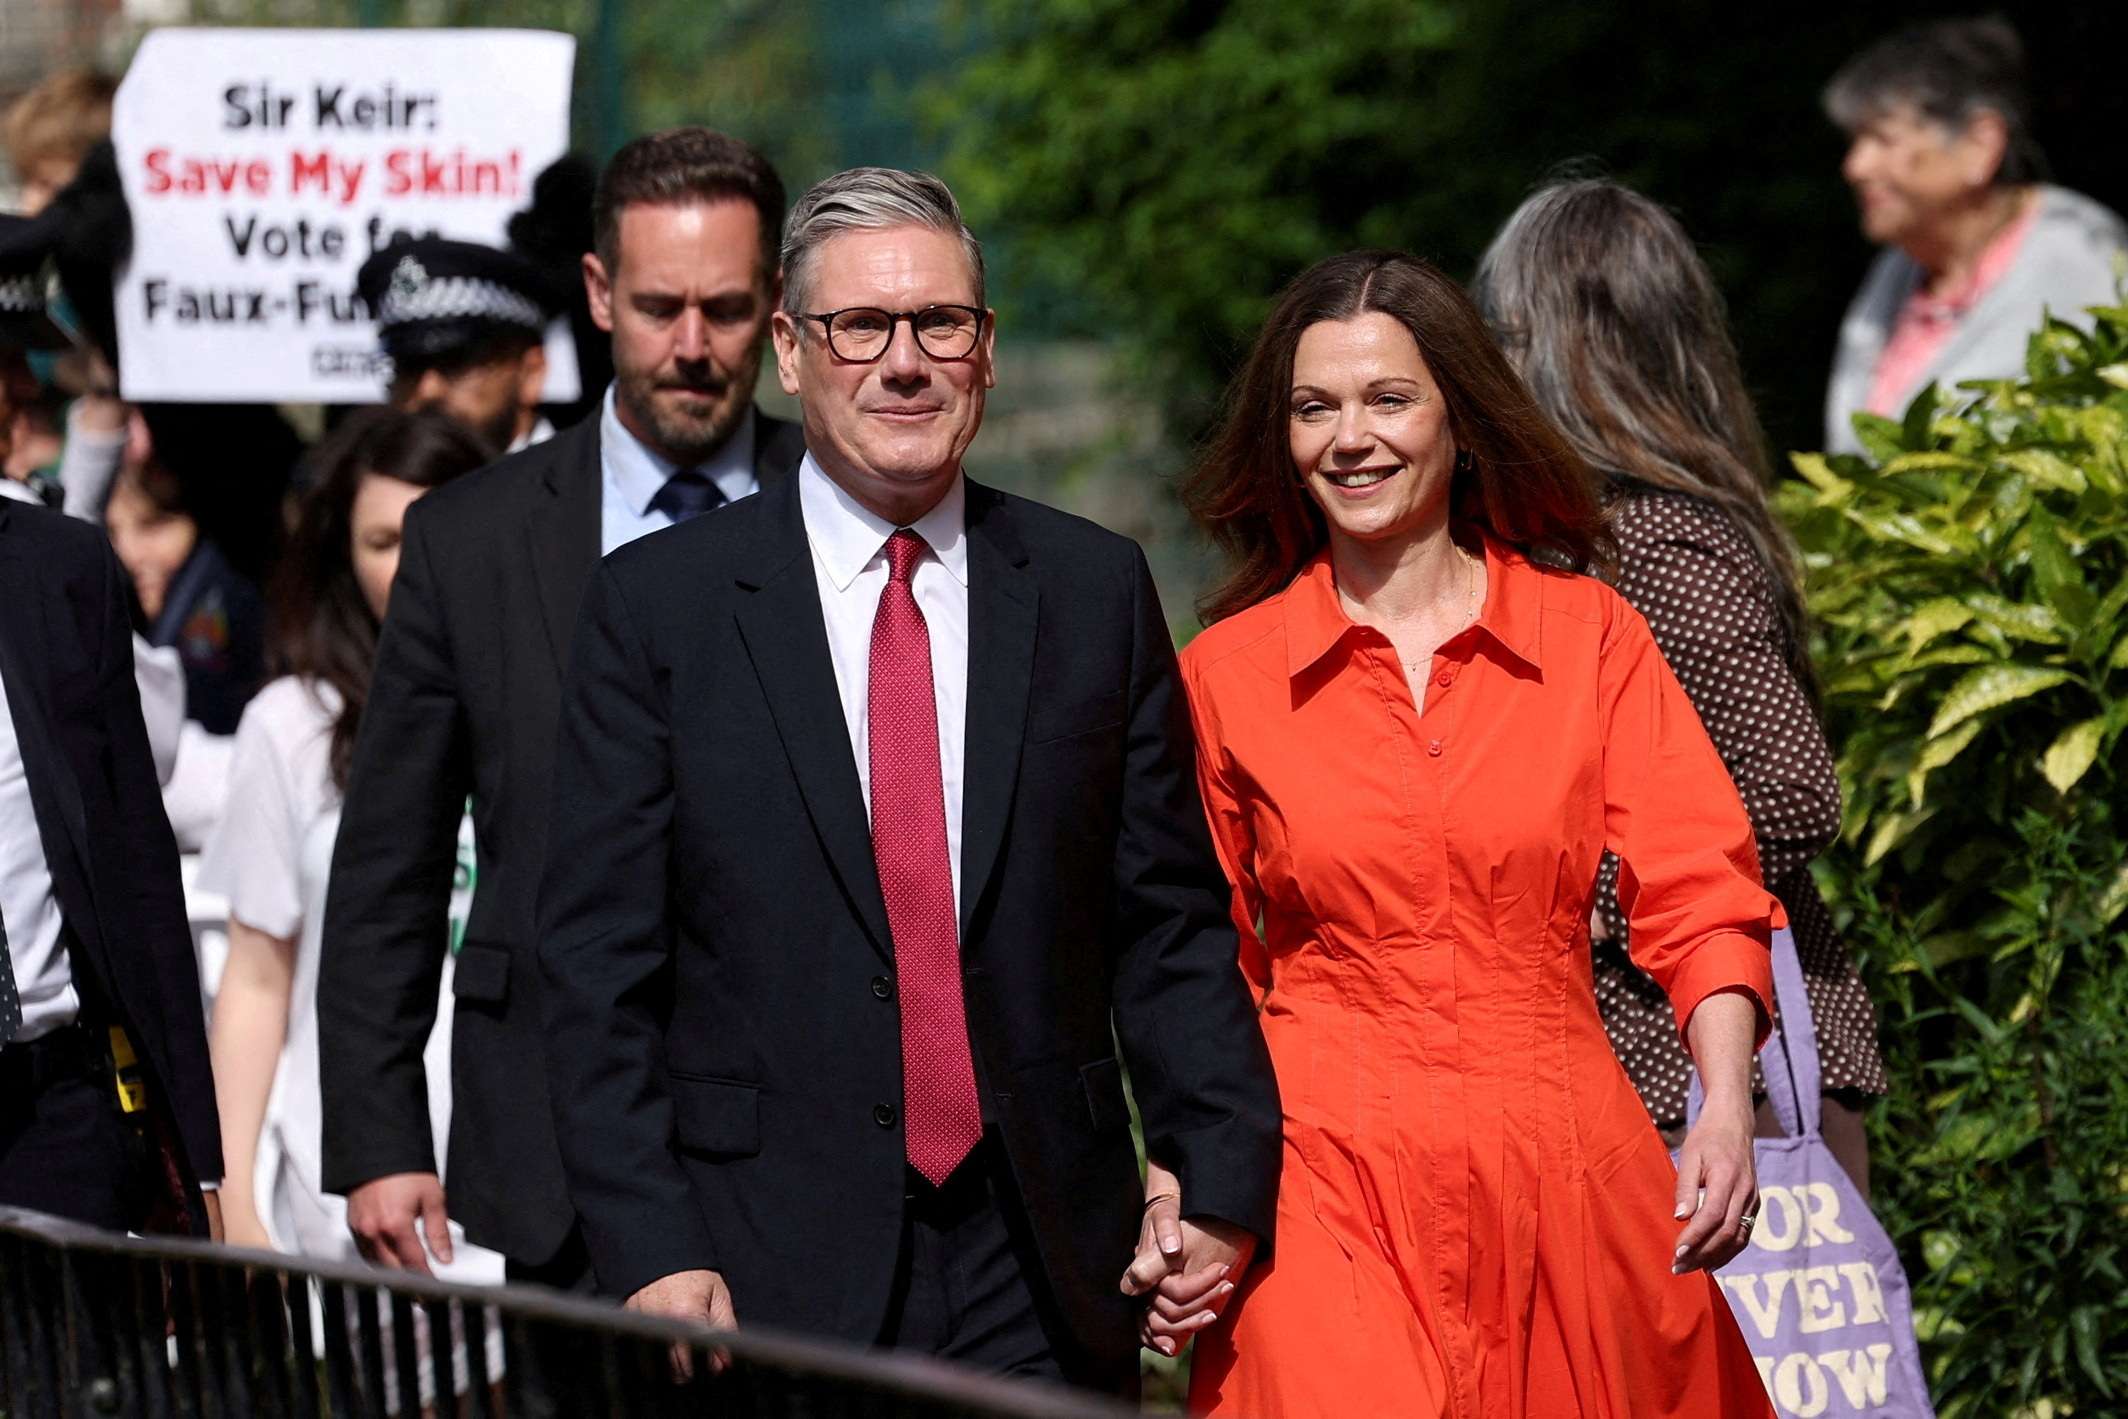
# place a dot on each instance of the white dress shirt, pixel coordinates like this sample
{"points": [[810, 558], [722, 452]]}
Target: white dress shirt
{"points": [[631, 476], [30, 912], [850, 563]]}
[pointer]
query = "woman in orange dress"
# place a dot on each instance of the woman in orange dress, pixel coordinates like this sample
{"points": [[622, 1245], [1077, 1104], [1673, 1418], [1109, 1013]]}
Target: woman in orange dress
{"points": [[1417, 738]]}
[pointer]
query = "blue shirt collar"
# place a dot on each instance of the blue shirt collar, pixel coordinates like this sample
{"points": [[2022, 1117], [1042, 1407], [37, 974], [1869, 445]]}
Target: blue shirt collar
{"points": [[636, 473]]}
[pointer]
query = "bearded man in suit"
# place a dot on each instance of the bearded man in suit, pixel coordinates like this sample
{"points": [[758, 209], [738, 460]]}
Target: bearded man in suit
{"points": [[464, 701]]}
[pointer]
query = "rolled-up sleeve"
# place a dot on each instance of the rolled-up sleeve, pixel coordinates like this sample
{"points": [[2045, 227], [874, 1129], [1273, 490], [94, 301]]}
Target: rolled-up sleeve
{"points": [[1701, 919]]}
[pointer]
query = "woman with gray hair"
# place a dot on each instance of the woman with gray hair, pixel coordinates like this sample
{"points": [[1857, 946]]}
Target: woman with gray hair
{"points": [[1946, 171], [1615, 325]]}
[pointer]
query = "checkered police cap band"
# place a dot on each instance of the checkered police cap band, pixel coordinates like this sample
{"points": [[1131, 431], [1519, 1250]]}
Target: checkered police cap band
{"points": [[414, 295]]}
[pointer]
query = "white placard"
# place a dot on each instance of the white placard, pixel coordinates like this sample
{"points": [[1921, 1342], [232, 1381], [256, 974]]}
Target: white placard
{"points": [[263, 166]]}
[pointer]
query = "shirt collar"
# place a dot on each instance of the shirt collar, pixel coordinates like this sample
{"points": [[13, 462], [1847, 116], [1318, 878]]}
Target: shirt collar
{"points": [[846, 535], [637, 473], [1512, 615], [540, 432]]}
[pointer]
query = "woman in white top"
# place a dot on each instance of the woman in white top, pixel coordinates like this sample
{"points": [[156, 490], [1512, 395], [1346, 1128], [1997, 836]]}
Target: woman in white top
{"points": [[271, 853]]}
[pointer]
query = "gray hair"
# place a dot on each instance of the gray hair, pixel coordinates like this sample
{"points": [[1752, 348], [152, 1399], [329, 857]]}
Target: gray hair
{"points": [[868, 199], [1949, 71], [1615, 324]]}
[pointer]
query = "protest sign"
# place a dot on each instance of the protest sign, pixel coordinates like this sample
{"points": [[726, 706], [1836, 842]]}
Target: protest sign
{"points": [[263, 166]]}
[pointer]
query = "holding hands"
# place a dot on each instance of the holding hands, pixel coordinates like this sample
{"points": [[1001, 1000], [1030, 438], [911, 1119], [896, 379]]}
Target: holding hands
{"points": [[1186, 1268]]}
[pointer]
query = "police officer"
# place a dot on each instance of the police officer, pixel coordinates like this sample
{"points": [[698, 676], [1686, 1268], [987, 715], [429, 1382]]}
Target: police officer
{"points": [[464, 328]]}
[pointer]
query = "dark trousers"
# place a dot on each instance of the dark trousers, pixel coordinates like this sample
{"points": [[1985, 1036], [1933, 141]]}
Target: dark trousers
{"points": [[969, 1286], [65, 1148]]}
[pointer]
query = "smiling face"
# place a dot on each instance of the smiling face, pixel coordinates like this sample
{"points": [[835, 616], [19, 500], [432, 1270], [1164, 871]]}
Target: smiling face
{"points": [[1908, 172], [890, 432], [1368, 429]]}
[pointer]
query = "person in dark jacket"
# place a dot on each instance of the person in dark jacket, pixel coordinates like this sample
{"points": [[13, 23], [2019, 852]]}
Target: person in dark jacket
{"points": [[463, 702], [191, 598], [104, 1071]]}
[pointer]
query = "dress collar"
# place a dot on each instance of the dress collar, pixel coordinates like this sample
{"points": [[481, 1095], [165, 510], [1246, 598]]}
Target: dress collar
{"points": [[1511, 617]]}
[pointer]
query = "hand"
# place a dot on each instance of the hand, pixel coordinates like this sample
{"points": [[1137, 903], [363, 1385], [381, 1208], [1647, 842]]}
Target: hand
{"points": [[211, 1203], [695, 1296], [1187, 1267], [1717, 1184], [385, 1213]]}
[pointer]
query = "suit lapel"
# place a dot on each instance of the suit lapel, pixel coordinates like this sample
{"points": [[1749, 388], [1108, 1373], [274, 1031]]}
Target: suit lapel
{"points": [[787, 642], [563, 527], [24, 654], [1003, 611]]}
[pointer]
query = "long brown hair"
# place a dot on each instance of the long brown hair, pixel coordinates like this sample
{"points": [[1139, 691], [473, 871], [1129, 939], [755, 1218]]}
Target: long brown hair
{"points": [[1616, 324], [321, 628], [1515, 477]]}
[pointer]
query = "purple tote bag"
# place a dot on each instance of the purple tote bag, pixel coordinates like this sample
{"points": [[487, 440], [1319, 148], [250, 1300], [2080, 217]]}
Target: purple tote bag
{"points": [[1819, 1293]]}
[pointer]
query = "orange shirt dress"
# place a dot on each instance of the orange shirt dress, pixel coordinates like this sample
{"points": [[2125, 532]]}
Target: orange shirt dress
{"points": [[1474, 1216]]}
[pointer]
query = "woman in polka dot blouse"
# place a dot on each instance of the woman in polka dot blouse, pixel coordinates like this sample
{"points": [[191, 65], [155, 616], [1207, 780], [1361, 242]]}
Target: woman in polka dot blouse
{"points": [[1614, 321]]}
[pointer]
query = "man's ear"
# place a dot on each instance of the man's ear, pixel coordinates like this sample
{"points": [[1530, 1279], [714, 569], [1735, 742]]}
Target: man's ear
{"points": [[531, 376], [598, 290], [783, 329]]}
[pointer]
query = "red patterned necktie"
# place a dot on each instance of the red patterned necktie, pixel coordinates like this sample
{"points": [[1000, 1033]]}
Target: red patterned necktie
{"points": [[941, 1117]]}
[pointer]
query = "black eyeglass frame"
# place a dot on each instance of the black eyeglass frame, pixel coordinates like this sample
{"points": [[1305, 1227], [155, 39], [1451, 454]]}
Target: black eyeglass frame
{"points": [[894, 319]]}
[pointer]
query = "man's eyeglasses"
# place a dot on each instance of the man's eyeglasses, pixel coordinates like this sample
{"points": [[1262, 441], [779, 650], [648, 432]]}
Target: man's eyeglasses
{"points": [[862, 333]]}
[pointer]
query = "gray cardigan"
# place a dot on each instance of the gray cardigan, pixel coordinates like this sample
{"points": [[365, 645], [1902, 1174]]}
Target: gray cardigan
{"points": [[2065, 265]]}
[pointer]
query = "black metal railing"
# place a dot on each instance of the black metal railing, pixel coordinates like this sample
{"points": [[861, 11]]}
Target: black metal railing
{"points": [[93, 1323]]}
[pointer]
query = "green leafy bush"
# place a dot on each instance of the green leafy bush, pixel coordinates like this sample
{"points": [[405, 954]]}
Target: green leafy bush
{"points": [[1970, 580]]}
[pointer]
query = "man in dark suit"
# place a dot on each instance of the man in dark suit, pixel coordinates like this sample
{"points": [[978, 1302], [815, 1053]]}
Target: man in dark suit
{"points": [[464, 703], [874, 831], [93, 936]]}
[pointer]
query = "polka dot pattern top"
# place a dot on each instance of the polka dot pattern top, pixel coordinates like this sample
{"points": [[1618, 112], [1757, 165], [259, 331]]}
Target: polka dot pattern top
{"points": [[1687, 567]]}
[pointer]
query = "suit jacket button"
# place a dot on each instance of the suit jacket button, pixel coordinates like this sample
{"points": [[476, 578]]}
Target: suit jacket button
{"points": [[883, 1115], [882, 987]]}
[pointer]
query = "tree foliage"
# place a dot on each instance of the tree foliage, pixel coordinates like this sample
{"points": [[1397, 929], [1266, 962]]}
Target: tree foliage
{"points": [[1154, 170], [1970, 578]]}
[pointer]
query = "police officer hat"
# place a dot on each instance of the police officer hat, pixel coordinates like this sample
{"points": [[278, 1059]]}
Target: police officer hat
{"points": [[436, 299], [26, 245]]}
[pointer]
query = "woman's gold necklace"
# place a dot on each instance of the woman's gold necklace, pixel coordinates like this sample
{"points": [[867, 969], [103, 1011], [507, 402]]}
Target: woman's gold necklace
{"points": [[1470, 608]]}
